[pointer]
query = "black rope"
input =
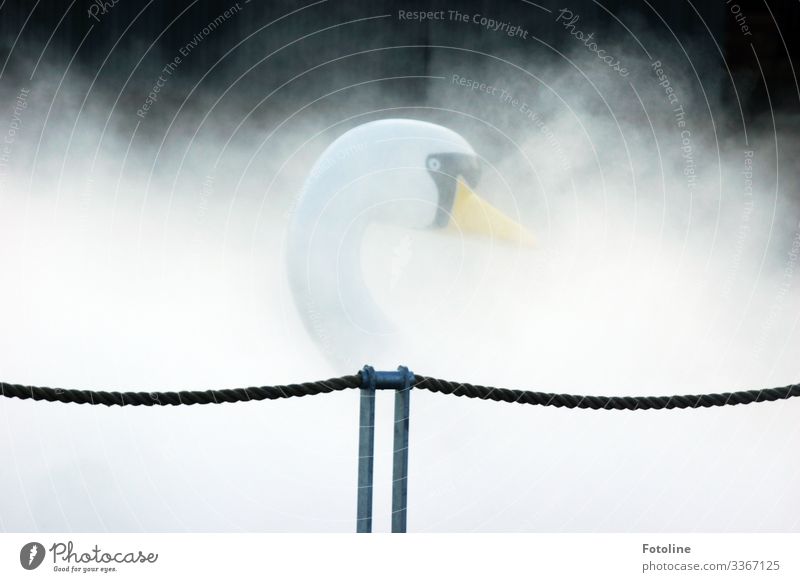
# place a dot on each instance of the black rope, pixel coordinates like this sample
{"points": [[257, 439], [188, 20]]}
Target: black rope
{"points": [[605, 402], [422, 382], [177, 398]]}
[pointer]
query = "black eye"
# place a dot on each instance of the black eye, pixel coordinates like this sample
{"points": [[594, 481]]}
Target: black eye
{"points": [[463, 166]]}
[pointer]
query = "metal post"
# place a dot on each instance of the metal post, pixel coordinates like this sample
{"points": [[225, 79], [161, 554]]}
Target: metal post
{"points": [[399, 381], [366, 450], [402, 402]]}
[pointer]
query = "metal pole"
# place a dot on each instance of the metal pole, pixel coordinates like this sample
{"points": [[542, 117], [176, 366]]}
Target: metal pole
{"points": [[366, 450], [402, 402]]}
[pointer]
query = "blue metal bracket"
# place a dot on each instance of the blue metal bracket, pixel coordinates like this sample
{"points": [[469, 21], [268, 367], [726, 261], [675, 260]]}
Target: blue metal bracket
{"points": [[400, 381]]}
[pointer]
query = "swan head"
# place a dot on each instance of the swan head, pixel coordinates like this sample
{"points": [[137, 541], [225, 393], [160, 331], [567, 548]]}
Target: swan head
{"points": [[408, 173]]}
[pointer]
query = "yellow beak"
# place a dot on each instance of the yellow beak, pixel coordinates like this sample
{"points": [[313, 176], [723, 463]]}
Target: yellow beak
{"points": [[473, 215]]}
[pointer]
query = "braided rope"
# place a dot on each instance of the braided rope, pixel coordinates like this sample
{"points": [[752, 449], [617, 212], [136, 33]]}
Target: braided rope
{"points": [[605, 402], [422, 382], [177, 398]]}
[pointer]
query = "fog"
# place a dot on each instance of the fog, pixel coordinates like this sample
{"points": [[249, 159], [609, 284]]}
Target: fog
{"points": [[146, 253]]}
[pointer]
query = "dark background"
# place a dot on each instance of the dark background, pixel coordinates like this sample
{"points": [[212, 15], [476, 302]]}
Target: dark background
{"points": [[57, 32]]}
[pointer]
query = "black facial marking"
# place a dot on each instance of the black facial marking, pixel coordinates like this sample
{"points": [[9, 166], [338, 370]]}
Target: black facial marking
{"points": [[445, 169]]}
